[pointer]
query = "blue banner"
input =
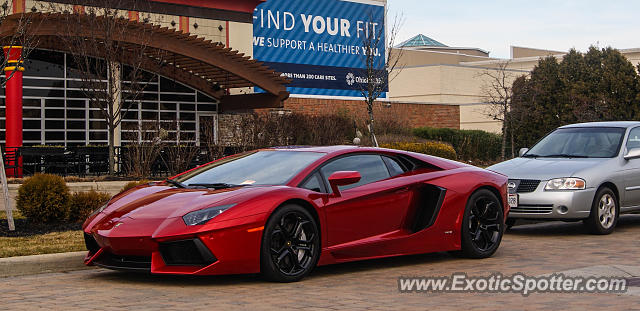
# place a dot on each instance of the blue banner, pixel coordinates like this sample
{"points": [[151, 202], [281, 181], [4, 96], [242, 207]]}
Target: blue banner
{"points": [[319, 44]]}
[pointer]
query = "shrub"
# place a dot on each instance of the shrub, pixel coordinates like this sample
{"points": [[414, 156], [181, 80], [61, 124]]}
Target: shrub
{"points": [[470, 145], [433, 148], [83, 203], [44, 198], [395, 138], [134, 184]]}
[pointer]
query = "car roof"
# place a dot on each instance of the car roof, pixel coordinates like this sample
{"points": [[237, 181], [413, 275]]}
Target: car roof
{"points": [[333, 151], [324, 149], [621, 124]]}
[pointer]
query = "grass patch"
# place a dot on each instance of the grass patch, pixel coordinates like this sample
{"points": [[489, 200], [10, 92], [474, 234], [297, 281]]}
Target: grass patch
{"points": [[55, 242], [23, 242]]}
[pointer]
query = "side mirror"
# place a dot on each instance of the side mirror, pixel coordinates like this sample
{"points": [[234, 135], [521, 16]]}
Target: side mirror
{"points": [[522, 151], [343, 178], [632, 154]]}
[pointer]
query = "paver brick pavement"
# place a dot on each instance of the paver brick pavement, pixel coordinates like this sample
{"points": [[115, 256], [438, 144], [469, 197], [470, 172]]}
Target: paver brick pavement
{"points": [[535, 249]]}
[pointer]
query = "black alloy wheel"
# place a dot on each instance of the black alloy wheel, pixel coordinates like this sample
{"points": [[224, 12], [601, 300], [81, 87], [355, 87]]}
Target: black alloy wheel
{"points": [[290, 245], [482, 225]]}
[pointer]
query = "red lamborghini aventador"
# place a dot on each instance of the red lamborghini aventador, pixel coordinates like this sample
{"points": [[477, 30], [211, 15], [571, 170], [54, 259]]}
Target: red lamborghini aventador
{"points": [[281, 212]]}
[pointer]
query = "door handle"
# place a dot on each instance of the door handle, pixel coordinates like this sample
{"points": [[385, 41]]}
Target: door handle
{"points": [[402, 190]]}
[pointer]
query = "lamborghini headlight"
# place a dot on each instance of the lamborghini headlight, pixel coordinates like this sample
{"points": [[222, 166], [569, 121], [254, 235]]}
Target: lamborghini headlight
{"points": [[570, 183], [202, 216], [99, 210]]}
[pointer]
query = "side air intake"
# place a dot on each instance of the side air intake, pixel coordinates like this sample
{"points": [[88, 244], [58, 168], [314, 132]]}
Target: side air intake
{"points": [[428, 203]]}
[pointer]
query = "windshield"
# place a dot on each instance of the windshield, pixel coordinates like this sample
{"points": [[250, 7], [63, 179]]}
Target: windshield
{"points": [[584, 142], [254, 168]]}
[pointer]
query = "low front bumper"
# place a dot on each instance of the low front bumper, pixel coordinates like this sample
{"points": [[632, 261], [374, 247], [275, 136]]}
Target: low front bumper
{"points": [[542, 204], [230, 250]]}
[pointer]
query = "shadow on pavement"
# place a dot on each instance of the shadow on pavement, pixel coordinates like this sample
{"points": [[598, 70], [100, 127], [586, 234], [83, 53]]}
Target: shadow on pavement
{"points": [[228, 280], [561, 228]]}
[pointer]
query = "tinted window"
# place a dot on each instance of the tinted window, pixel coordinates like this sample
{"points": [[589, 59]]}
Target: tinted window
{"points": [[313, 183], [257, 168], [634, 139], [587, 142], [370, 166], [394, 167]]}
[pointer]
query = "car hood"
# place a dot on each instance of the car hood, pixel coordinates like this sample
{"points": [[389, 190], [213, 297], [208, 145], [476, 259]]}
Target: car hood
{"points": [[161, 202], [544, 168]]}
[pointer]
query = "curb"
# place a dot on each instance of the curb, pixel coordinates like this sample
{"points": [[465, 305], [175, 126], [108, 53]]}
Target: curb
{"points": [[36, 264]]}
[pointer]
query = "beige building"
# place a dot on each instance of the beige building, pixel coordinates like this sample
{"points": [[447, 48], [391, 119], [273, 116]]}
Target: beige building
{"points": [[435, 73]]}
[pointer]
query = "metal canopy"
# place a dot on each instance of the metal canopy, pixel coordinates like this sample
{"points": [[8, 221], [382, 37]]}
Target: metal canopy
{"points": [[207, 66]]}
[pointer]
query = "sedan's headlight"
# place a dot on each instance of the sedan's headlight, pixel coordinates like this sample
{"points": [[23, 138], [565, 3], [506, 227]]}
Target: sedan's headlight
{"points": [[570, 183], [202, 216]]}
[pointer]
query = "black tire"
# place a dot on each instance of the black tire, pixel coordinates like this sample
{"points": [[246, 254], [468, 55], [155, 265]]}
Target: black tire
{"points": [[482, 225], [290, 245], [510, 223], [605, 211]]}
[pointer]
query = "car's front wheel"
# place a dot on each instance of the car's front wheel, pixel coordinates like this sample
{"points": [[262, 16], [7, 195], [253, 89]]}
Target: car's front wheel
{"points": [[290, 245], [482, 225], [604, 212]]}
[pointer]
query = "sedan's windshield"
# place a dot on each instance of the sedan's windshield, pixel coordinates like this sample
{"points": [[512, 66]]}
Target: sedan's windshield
{"points": [[256, 168], [581, 142]]}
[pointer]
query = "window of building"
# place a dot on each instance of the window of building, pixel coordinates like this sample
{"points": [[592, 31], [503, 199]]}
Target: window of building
{"points": [[56, 110]]}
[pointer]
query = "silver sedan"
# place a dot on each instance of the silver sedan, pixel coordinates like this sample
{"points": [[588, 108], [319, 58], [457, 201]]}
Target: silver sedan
{"points": [[587, 171]]}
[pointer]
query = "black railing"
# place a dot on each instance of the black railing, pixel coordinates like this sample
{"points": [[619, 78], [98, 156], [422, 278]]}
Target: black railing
{"points": [[94, 161]]}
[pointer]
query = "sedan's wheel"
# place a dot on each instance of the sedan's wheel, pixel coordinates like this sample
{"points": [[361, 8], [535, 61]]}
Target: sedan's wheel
{"points": [[604, 212], [482, 225], [290, 245]]}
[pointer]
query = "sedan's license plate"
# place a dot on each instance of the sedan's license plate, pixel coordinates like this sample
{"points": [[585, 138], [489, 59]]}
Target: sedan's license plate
{"points": [[513, 200]]}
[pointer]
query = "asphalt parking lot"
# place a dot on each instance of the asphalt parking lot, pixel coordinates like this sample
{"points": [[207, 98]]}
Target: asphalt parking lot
{"points": [[534, 249]]}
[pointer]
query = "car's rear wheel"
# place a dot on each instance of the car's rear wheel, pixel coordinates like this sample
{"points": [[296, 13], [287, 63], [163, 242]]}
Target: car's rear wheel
{"points": [[604, 212], [290, 245], [482, 225]]}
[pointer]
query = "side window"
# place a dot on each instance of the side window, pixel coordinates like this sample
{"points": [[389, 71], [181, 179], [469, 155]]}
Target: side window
{"points": [[370, 166], [313, 183], [634, 139], [395, 168]]}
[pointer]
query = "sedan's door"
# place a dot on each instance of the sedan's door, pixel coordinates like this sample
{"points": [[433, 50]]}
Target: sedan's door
{"points": [[631, 172], [376, 205]]}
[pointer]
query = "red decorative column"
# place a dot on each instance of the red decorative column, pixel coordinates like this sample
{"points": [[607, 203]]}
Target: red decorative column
{"points": [[13, 104]]}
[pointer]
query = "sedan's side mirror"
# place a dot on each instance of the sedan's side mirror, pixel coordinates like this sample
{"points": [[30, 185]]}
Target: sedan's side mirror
{"points": [[632, 154], [343, 178], [523, 151]]}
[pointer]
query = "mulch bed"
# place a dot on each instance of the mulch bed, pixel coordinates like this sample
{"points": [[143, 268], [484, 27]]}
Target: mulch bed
{"points": [[25, 228]]}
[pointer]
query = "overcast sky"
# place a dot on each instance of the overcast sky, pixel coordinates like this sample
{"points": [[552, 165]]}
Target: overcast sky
{"points": [[495, 25]]}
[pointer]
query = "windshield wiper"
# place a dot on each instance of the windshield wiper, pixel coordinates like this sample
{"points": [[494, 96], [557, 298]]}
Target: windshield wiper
{"points": [[216, 185], [530, 155], [564, 156], [175, 183]]}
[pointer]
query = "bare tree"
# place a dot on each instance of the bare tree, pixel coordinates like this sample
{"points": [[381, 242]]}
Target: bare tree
{"points": [[110, 70], [379, 69], [16, 30], [498, 94], [208, 138], [179, 156], [148, 141]]}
